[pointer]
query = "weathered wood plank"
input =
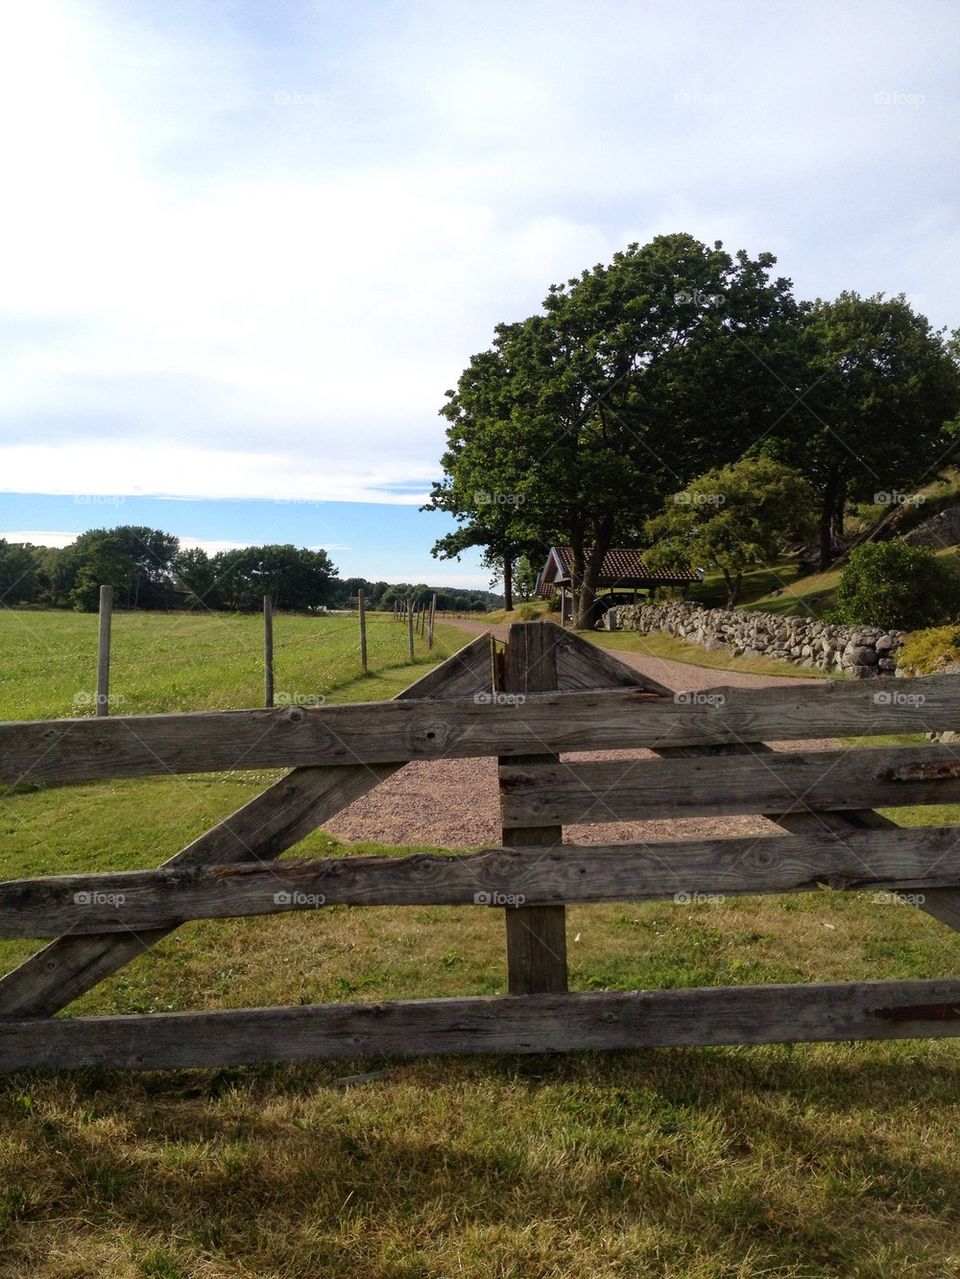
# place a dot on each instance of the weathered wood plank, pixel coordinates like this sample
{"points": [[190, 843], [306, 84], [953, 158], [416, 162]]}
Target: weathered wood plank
{"points": [[498, 1024], [261, 830], [904, 859], [774, 782], [473, 725], [942, 904], [536, 935], [582, 665]]}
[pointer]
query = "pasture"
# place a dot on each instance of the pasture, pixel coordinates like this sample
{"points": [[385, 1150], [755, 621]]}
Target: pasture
{"points": [[199, 661], [733, 1163]]}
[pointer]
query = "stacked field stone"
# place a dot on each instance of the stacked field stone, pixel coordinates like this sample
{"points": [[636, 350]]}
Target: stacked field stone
{"points": [[859, 651]]}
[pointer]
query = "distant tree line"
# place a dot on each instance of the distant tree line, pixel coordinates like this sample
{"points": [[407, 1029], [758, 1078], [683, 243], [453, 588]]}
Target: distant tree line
{"points": [[384, 595], [148, 569]]}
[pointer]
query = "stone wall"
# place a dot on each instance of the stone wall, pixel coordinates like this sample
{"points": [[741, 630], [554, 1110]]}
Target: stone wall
{"points": [[858, 651]]}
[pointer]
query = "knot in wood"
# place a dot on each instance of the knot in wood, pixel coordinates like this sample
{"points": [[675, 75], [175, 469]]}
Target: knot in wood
{"points": [[436, 736]]}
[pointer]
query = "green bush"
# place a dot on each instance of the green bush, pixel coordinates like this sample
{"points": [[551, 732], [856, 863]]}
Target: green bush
{"points": [[528, 613], [893, 584]]}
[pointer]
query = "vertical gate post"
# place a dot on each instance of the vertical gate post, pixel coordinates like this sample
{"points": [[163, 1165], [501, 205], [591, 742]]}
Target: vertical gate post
{"points": [[267, 651], [103, 652], [536, 935], [361, 609]]}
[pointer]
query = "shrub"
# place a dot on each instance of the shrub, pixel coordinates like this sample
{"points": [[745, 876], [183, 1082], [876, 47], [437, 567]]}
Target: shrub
{"points": [[528, 613], [892, 584]]}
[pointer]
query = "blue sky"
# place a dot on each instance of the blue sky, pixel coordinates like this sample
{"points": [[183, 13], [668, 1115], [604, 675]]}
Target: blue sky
{"points": [[250, 245]]}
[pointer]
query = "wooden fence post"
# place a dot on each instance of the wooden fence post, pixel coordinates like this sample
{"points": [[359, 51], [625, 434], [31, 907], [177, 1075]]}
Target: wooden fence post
{"points": [[410, 627], [361, 608], [103, 651], [267, 651], [433, 611], [536, 935]]}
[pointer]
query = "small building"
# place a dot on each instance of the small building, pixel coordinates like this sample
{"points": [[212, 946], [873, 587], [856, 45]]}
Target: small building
{"points": [[622, 575]]}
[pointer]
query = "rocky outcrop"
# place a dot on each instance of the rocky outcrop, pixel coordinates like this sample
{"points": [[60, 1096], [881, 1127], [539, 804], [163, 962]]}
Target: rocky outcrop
{"points": [[858, 651], [940, 530]]}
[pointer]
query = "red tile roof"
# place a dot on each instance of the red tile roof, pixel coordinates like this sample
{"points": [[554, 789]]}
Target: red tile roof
{"points": [[624, 566]]}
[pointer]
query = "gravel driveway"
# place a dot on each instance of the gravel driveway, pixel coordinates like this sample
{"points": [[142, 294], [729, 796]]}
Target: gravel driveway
{"points": [[454, 803]]}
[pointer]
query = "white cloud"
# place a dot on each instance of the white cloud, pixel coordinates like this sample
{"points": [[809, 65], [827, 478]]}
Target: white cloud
{"points": [[213, 290], [39, 537], [110, 469]]}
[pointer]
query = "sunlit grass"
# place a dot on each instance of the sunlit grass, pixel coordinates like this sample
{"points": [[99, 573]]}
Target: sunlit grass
{"points": [[200, 661]]}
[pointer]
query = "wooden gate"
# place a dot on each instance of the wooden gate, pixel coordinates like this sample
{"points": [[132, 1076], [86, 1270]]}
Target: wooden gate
{"points": [[548, 694]]}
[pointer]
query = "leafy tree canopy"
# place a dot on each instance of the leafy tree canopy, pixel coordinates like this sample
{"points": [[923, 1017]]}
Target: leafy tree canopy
{"points": [[730, 518], [634, 377]]}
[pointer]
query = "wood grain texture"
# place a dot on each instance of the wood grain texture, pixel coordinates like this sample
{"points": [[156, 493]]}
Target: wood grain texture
{"points": [[473, 725], [721, 784], [536, 935], [582, 665], [914, 859], [544, 1023], [259, 831]]}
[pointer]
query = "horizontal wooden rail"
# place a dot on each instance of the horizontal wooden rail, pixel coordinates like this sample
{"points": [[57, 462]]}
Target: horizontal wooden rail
{"points": [[490, 1024], [899, 859], [483, 724], [774, 782], [261, 830]]}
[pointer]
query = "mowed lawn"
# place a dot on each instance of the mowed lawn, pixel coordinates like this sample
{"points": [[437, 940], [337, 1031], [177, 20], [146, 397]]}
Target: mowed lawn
{"points": [[805, 1161]]}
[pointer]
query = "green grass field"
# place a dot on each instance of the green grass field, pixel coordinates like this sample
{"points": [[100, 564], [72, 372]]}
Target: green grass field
{"points": [[200, 661], [804, 1162]]}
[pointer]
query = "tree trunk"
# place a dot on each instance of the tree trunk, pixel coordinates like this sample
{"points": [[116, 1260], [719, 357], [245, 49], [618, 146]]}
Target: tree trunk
{"points": [[839, 506], [587, 597], [826, 519], [507, 581], [733, 586]]}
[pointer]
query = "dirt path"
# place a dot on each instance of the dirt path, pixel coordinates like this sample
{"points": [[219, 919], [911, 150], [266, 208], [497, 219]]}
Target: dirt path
{"points": [[454, 803]]}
